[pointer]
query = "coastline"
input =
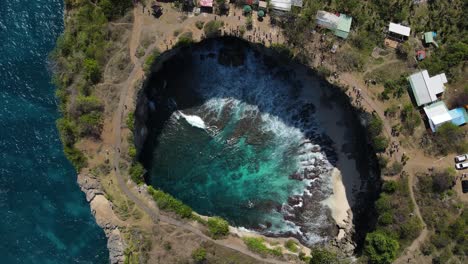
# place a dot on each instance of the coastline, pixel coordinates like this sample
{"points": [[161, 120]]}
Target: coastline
{"points": [[103, 209]]}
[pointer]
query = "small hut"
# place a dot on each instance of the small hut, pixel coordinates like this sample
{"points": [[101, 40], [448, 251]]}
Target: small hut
{"points": [[429, 38]]}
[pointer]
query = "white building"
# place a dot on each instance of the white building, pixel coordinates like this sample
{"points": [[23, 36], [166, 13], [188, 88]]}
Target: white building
{"points": [[437, 114], [426, 89], [399, 29]]}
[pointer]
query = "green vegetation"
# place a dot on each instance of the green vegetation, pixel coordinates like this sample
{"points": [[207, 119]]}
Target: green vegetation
{"points": [[445, 216], [167, 202], [257, 245], [323, 256], [212, 28], [395, 87], [130, 121], [374, 129], [199, 24], [380, 248], [218, 227], [150, 60], [410, 119], [199, 255], [80, 54], [291, 245], [450, 138], [137, 172], [397, 226], [184, 40], [139, 245]]}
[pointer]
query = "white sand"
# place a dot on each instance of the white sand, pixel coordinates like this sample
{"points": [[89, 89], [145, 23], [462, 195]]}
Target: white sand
{"points": [[337, 202]]}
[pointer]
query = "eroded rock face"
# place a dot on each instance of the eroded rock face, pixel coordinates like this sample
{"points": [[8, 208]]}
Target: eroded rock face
{"points": [[101, 209]]}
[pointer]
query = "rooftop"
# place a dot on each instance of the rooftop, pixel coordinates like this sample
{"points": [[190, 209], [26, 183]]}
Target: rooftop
{"points": [[399, 29], [459, 116], [425, 88], [437, 113]]}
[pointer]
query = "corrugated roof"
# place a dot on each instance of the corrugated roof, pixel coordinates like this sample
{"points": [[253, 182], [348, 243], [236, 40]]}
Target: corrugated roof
{"points": [[428, 37], [327, 19], [344, 23], [425, 88], [283, 5], [437, 113], [399, 29], [459, 116]]}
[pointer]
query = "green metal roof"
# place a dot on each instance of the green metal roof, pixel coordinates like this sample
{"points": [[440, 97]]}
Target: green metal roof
{"points": [[344, 23], [428, 37], [344, 26]]}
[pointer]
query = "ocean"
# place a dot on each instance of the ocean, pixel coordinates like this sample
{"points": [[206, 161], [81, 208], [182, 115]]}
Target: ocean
{"points": [[44, 215], [250, 143]]}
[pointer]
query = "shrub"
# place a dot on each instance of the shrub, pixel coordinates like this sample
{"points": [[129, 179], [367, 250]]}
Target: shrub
{"points": [[218, 227], [394, 169], [199, 255], [212, 28], [90, 125], [151, 59], [449, 138], [442, 181], [257, 245], [380, 143], [185, 40], [291, 245], [130, 122], [375, 126], [410, 119], [390, 186], [323, 256], [380, 248], [137, 172], [87, 104], [75, 156], [92, 71], [167, 202], [199, 24]]}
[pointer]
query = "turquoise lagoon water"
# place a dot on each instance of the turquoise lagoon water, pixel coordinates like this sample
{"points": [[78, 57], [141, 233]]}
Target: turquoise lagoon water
{"points": [[44, 215], [239, 142]]}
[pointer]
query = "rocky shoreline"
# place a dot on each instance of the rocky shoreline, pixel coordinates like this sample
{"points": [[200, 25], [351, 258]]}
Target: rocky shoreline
{"points": [[100, 207]]}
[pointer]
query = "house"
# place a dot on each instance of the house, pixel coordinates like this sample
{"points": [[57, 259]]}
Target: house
{"points": [[339, 24], [437, 114], [297, 3], [262, 5], [206, 3], [429, 38], [426, 89], [281, 5], [459, 116], [398, 32]]}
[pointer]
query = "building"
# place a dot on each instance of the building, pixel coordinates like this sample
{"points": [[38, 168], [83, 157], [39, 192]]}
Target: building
{"points": [[281, 5], [459, 116], [206, 3], [427, 89], [399, 31], [339, 24], [437, 114], [262, 5], [429, 38]]}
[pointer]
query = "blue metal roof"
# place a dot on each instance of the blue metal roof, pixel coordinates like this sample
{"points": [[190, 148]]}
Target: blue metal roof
{"points": [[459, 116]]}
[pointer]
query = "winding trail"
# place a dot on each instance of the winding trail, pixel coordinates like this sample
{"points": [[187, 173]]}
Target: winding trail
{"points": [[126, 91]]}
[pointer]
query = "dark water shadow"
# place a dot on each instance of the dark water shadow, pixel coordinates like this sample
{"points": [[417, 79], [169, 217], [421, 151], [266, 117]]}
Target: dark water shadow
{"points": [[168, 84]]}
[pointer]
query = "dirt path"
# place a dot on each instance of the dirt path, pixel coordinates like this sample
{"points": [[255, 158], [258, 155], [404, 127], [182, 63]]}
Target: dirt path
{"points": [[129, 85]]}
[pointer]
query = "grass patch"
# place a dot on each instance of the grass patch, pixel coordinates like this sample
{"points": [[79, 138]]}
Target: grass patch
{"points": [[168, 202], [257, 245], [218, 227]]}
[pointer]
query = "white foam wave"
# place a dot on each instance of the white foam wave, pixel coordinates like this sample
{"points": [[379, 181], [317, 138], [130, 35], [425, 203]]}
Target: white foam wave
{"points": [[193, 120]]}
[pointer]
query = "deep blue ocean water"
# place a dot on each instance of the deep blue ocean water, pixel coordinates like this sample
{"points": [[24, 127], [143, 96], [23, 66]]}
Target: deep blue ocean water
{"points": [[44, 217]]}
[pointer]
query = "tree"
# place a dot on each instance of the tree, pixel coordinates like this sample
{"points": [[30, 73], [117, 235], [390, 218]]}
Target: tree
{"points": [[323, 256], [199, 255], [442, 181], [212, 28], [137, 172], [92, 71], [218, 227], [410, 119], [449, 138], [380, 248]]}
